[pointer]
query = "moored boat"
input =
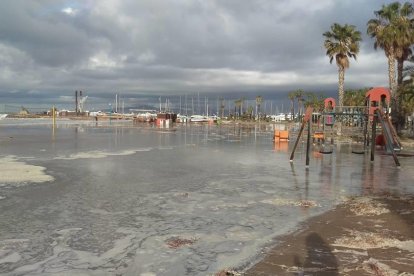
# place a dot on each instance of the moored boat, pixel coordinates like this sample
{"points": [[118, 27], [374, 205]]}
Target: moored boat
{"points": [[198, 118]]}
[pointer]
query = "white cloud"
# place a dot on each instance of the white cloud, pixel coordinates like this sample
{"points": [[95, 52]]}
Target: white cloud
{"points": [[179, 46], [102, 60], [70, 11]]}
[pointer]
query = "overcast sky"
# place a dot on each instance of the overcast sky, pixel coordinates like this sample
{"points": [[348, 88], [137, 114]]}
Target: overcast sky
{"points": [[144, 48]]}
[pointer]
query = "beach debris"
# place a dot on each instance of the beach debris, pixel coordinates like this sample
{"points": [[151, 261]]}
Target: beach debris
{"points": [[374, 266], [307, 203], [290, 202], [364, 240], [182, 195], [177, 242], [367, 207], [228, 272]]}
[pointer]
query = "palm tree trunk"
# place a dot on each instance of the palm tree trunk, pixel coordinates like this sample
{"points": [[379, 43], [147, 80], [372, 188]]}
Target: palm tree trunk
{"points": [[400, 122], [395, 116], [400, 68], [341, 73], [391, 74], [341, 80]]}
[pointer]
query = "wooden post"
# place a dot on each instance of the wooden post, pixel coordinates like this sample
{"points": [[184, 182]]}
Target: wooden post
{"points": [[305, 120], [308, 143]]}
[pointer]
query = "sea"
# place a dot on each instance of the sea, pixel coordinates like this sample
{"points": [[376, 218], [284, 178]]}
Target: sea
{"points": [[117, 198]]}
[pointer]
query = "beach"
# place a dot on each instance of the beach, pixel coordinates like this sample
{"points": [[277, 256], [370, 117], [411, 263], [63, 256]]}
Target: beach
{"points": [[363, 236], [114, 198]]}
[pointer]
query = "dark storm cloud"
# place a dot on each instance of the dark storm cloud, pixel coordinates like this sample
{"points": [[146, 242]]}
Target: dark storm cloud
{"points": [[182, 46]]}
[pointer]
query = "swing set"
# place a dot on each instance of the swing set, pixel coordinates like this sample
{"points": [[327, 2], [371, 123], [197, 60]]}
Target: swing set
{"points": [[357, 120]]}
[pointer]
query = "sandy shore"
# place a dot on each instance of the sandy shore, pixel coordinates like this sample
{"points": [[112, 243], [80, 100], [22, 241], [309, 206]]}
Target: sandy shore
{"points": [[364, 236]]}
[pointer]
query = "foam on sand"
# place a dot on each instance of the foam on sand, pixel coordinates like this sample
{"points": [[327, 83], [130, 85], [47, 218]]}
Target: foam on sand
{"points": [[374, 266], [367, 240], [15, 172], [291, 202], [367, 207]]}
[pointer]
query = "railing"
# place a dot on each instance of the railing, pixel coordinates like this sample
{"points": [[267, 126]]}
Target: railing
{"points": [[351, 116]]}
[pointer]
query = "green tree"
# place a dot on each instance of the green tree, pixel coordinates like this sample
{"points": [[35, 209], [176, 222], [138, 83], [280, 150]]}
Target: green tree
{"points": [[355, 97], [314, 100], [407, 94], [342, 43]]}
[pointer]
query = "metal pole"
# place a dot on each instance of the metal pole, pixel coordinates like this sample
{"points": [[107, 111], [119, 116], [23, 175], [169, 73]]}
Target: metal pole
{"points": [[76, 102], [308, 143], [373, 134], [54, 116], [365, 118]]}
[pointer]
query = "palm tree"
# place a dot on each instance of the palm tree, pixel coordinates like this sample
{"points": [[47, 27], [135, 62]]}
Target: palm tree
{"points": [[292, 96], [393, 32], [407, 88], [314, 100], [299, 97], [237, 107], [383, 32], [404, 26], [242, 99], [250, 112], [406, 53], [407, 95], [342, 43], [222, 106], [259, 100]]}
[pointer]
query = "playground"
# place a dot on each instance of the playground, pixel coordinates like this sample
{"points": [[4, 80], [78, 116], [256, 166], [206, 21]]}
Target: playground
{"points": [[367, 128]]}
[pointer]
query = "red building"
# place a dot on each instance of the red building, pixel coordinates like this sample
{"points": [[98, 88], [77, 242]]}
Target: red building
{"points": [[329, 104], [378, 97]]}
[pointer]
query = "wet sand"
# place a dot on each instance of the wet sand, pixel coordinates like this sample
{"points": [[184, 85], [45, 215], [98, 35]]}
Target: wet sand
{"points": [[363, 236]]}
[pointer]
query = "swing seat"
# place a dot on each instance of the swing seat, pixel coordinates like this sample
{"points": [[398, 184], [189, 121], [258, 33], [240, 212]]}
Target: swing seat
{"points": [[326, 150], [329, 120], [318, 135]]}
